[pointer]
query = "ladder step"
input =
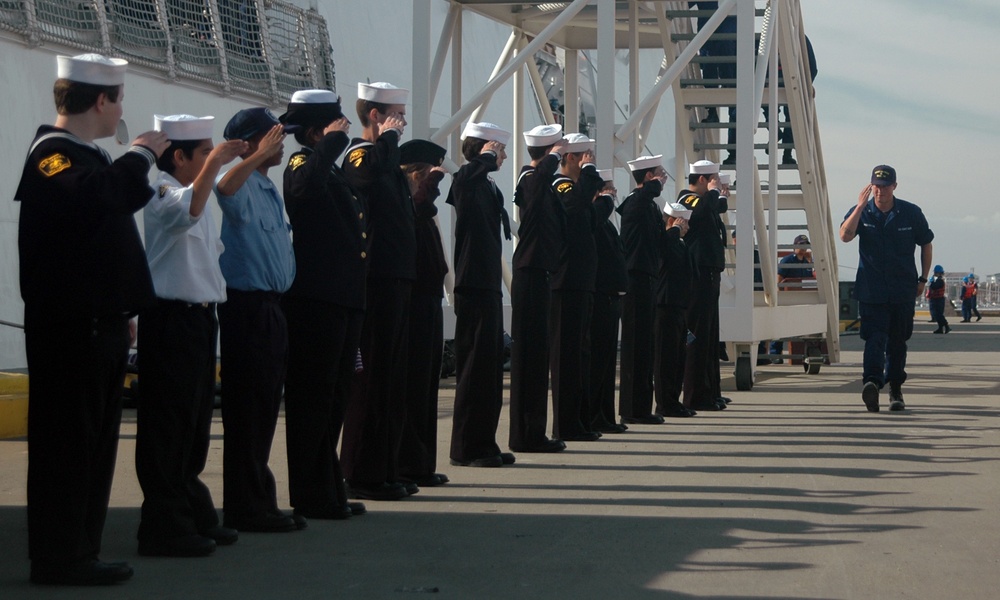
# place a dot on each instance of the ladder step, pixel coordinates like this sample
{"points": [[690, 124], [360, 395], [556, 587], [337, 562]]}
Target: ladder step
{"points": [[687, 37], [698, 147], [693, 13], [712, 83]]}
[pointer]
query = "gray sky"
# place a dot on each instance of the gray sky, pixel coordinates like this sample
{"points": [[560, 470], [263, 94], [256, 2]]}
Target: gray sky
{"points": [[914, 84]]}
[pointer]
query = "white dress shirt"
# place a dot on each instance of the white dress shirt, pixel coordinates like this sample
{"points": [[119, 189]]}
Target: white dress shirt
{"points": [[182, 251]]}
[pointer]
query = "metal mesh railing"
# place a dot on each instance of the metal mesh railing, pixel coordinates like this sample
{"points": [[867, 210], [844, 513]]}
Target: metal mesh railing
{"points": [[265, 48]]}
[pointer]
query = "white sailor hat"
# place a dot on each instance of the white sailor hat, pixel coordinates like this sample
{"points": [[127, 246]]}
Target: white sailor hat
{"points": [[725, 178], [543, 135], [577, 142], [383, 93], [184, 127], [676, 209], [704, 167], [645, 162], [606, 174], [486, 131], [312, 107], [94, 69]]}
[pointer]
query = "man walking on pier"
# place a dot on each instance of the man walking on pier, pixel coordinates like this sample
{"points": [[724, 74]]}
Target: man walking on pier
{"points": [[888, 229]]}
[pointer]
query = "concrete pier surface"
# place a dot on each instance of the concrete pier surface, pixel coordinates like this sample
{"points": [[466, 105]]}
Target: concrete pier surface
{"points": [[795, 491]]}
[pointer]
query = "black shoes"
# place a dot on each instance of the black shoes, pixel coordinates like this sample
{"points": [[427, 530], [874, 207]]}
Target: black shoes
{"points": [[507, 458], [185, 545], [85, 572], [328, 512], [266, 523], [485, 462], [545, 446], [896, 403], [653, 419], [675, 411], [581, 436], [786, 158], [376, 491], [710, 406], [429, 480], [605, 427], [869, 394], [223, 536]]}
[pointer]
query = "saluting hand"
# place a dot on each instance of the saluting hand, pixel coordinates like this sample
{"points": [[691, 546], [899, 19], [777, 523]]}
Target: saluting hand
{"points": [[271, 144], [392, 121], [683, 225], [157, 141], [588, 157], [865, 194], [341, 124], [225, 152]]}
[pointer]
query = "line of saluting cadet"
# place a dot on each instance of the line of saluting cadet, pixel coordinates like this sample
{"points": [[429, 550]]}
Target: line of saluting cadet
{"points": [[343, 320]]}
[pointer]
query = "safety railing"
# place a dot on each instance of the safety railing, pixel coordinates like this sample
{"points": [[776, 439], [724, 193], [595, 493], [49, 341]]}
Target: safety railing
{"points": [[264, 48]]}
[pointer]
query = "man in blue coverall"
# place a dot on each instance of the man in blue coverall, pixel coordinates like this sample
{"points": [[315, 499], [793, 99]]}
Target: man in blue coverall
{"points": [[887, 285]]}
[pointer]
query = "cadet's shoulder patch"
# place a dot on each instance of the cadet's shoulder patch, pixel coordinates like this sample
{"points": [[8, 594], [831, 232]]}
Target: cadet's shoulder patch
{"points": [[53, 164], [690, 200], [564, 186], [163, 190], [357, 156], [296, 161]]}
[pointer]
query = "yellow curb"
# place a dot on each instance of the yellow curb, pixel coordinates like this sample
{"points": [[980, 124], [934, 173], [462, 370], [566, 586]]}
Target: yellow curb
{"points": [[13, 405]]}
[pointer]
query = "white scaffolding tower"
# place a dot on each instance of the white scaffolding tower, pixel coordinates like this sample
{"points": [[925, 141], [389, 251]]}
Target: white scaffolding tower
{"points": [[792, 199]]}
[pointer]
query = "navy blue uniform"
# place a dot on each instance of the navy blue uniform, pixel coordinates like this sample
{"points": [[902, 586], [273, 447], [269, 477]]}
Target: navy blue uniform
{"points": [[642, 225], [886, 285], [540, 238], [324, 309], [83, 271]]}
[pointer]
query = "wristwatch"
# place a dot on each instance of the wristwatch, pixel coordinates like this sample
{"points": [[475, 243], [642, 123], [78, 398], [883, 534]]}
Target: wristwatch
{"points": [[921, 279]]}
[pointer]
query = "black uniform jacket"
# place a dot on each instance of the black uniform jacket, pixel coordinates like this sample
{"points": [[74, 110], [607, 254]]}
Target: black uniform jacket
{"points": [[706, 238], [80, 250], [431, 265], [612, 274], [329, 221], [540, 234], [578, 257], [479, 214], [673, 283], [642, 224], [374, 170]]}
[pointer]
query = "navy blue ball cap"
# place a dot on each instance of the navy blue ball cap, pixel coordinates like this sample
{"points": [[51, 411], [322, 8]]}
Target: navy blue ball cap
{"points": [[421, 151], [883, 175], [251, 121]]}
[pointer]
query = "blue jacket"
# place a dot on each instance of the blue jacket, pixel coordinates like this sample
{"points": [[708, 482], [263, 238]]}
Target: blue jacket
{"points": [[887, 271]]}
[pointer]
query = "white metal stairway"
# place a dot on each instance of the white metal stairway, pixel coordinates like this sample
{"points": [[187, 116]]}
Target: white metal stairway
{"points": [[785, 199]]}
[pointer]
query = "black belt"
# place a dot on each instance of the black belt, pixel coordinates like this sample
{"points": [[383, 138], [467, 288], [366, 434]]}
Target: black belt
{"points": [[183, 304]]}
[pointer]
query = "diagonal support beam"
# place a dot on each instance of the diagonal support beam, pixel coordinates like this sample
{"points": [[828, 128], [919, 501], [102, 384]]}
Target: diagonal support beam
{"points": [[529, 51]]}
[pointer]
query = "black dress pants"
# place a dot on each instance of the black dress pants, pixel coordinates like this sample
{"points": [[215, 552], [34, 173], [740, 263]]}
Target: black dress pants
{"points": [[418, 451], [529, 357], [701, 371], [479, 374], [77, 371], [373, 425], [604, 357], [254, 348], [671, 341], [322, 345], [570, 361], [177, 343], [637, 347]]}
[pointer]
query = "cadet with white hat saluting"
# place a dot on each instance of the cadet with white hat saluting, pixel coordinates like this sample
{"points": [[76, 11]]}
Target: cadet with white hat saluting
{"points": [[177, 344], [573, 290], [324, 307], [376, 411], [706, 198], [83, 273], [642, 225], [536, 256], [479, 216], [673, 290]]}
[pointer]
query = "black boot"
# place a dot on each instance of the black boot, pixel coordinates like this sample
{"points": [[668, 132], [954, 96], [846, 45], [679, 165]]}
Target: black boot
{"points": [[896, 397]]}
